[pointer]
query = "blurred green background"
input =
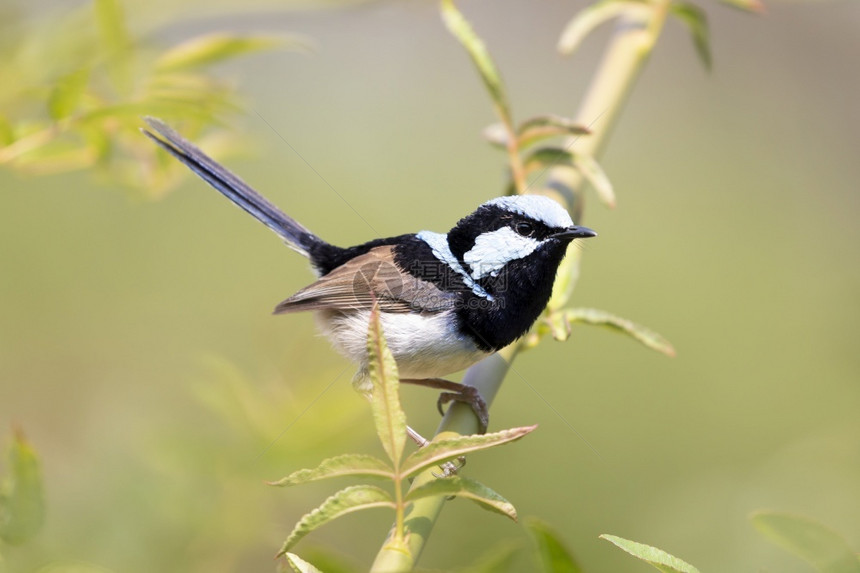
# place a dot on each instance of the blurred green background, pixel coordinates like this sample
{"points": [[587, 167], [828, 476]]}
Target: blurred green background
{"points": [[138, 352]]}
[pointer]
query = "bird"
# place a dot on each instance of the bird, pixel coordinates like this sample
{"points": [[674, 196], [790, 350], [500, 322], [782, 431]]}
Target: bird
{"points": [[445, 300]]}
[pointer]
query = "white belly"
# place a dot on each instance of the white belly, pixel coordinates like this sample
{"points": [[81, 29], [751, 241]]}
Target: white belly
{"points": [[424, 346]]}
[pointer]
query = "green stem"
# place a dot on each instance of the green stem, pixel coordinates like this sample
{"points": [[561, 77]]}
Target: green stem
{"points": [[628, 50]]}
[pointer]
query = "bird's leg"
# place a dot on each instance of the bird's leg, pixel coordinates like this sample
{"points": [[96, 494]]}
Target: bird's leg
{"points": [[420, 440], [456, 392]]}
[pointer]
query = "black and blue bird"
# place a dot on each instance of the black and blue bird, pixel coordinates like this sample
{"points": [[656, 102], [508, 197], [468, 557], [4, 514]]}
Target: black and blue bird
{"points": [[446, 300]]}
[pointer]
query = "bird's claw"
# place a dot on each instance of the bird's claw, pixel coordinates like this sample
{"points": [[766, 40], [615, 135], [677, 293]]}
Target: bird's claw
{"points": [[467, 395]]}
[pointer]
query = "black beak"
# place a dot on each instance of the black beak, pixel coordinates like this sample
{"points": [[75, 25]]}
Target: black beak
{"points": [[574, 232]]}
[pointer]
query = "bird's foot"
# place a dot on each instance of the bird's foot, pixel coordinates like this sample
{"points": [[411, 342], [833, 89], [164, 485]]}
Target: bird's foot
{"points": [[456, 392]]}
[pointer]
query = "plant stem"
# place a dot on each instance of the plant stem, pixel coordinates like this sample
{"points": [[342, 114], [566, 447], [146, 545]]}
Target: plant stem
{"points": [[628, 50]]}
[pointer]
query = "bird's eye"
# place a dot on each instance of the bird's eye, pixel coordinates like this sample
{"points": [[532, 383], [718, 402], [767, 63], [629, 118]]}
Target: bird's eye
{"points": [[524, 229]]}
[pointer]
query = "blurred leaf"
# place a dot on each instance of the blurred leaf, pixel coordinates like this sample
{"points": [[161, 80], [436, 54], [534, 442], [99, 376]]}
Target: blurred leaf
{"points": [[595, 175], [810, 540], [498, 559], [544, 127], [754, 6], [447, 447], [565, 279], [592, 17], [7, 133], [697, 22], [56, 157], [548, 157], [66, 95], [133, 111], [463, 31], [111, 24], [214, 48], [551, 552], [299, 565], [345, 465], [345, 501], [602, 318], [464, 487], [388, 414], [656, 557], [497, 135], [22, 503]]}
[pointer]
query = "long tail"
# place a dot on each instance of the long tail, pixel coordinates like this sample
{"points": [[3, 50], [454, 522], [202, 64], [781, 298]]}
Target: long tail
{"points": [[291, 231]]}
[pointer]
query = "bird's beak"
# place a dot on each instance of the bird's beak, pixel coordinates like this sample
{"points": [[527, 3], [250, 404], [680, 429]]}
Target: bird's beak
{"points": [[575, 232]]}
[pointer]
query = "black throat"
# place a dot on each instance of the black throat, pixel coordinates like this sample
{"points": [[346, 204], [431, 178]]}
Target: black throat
{"points": [[519, 294]]}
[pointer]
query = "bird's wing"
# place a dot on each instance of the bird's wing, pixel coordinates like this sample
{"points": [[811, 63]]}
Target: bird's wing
{"points": [[368, 278]]}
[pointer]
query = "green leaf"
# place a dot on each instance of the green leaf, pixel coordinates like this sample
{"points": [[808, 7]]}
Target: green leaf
{"points": [[446, 447], [7, 132], [111, 23], [346, 465], [697, 22], [547, 157], [592, 17], [565, 279], [461, 486], [214, 48], [299, 565], [595, 175], [22, 503], [754, 6], [387, 412], [498, 559], [810, 540], [551, 553], [463, 31], [345, 501], [602, 318], [66, 95], [656, 557], [544, 127]]}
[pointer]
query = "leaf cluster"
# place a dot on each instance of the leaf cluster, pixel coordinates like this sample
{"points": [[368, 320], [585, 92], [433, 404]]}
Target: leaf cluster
{"points": [[398, 469], [75, 88]]}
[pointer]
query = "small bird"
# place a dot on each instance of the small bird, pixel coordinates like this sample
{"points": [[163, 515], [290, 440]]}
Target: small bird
{"points": [[446, 300]]}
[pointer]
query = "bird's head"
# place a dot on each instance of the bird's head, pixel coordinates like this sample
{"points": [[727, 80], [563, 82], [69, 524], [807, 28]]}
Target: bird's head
{"points": [[528, 232]]}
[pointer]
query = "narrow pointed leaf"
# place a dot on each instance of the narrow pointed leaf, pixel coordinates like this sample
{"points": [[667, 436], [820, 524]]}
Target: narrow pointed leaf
{"points": [[299, 565], [111, 23], [547, 157], [544, 127], [359, 465], [697, 22], [343, 502], [754, 6], [559, 326], [602, 318], [565, 279], [658, 558], [214, 48], [810, 540], [461, 486], [443, 448], [595, 175], [590, 18], [551, 552], [463, 31], [66, 95], [387, 412], [22, 504], [497, 135]]}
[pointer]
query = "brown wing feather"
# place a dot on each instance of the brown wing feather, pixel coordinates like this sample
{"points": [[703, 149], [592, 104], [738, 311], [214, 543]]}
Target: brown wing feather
{"points": [[370, 277]]}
